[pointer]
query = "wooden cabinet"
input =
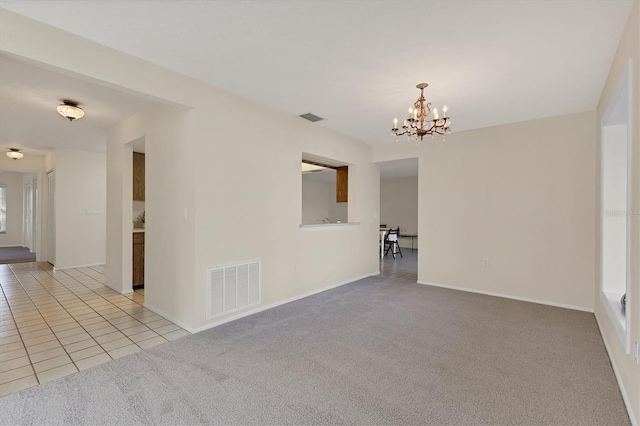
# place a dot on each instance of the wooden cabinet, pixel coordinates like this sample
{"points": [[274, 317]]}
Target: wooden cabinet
{"points": [[138, 176], [342, 184], [138, 258]]}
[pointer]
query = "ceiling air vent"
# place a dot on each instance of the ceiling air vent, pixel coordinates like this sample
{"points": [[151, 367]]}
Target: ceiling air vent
{"points": [[311, 117]]}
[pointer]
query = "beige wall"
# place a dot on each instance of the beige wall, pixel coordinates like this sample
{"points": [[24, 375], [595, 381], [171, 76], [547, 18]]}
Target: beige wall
{"points": [[399, 206], [80, 179], [520, 195], [625, 366]]}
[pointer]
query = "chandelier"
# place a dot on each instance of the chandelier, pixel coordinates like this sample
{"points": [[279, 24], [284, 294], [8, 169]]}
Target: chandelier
{"points": [[417, 123], [70, 110]]}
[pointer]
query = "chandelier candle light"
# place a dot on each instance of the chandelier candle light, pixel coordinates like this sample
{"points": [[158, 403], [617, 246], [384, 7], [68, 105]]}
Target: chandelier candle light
{"points": [[417, 124]]}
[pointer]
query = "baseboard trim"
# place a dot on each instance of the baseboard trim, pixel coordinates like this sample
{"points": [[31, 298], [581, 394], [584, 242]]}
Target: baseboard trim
{"points": [[62, 268], [169, 317], [506, 296], [13, 245], [276, 304], [625, 396]]}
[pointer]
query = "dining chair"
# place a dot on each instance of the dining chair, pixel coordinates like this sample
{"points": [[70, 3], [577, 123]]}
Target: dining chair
{"points": [[391, 239]]}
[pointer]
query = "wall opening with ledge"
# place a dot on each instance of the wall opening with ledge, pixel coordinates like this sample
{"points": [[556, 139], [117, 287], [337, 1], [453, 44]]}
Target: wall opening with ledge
{"points": [[324, 191], [615, 208]]}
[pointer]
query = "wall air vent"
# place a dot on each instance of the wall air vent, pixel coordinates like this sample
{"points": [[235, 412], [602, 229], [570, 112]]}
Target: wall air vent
{"points": [[232, 288], [311, 117]]}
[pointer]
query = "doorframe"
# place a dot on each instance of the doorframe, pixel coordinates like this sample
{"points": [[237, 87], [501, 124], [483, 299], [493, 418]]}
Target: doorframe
{"points": [[36, 215], [50, 248], [27, 217]]}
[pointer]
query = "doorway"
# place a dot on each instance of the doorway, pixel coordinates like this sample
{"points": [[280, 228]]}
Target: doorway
{"points": [[399, 210]]}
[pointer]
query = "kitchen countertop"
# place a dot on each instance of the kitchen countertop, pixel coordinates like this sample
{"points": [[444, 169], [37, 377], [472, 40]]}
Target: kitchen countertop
{"points": [[136, 230]]}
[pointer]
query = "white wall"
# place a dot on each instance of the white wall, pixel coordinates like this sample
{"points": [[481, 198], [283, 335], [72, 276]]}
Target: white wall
{"points": [[399, 205], [81, 205], [626, 368], [14, 235]]}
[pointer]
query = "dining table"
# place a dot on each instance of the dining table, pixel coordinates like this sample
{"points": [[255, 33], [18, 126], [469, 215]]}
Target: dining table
{"points": [[383, 232]]}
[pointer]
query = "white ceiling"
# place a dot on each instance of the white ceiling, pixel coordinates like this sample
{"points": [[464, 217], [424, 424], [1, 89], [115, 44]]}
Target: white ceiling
{"points": [[356, 63], [29, 120]]}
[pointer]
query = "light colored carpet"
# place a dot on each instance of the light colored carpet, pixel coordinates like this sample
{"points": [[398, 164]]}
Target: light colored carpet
{"points": [[377, 351]]}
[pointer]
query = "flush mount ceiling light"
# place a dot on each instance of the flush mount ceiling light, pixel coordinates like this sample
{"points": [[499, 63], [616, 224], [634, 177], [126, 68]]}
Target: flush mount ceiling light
{"points": [[70, 110], [417, 123], [14, 154]]}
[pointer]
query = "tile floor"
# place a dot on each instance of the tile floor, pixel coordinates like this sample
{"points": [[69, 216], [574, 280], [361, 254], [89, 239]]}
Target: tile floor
{"points": [[55, 323], [405, 267]]}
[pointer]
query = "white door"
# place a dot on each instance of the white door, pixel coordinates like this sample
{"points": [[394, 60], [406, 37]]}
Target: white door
{"points": [[28, 216], [51, 219]]}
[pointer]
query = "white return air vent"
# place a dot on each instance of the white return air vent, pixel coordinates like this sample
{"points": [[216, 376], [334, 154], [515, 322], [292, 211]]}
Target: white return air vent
{"points": [[232, 287]]}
